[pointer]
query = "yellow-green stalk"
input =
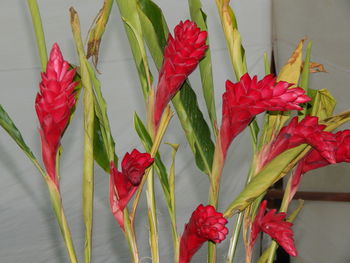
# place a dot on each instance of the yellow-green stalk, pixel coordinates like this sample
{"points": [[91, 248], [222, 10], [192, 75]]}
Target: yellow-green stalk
{"points": [[39, 32], [88, 171]]}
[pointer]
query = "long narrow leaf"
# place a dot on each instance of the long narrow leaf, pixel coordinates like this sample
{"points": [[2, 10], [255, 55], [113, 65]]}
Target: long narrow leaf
{"points": [[128, 11], [198, 16], [185, 102], [11, 129]]}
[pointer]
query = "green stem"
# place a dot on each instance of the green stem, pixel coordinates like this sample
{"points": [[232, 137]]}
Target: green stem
{"points": [[130, 237], [234, 238], [39, 32], [56, 201], [239, 221], [215, 176], [152, 217], [88, 103]]}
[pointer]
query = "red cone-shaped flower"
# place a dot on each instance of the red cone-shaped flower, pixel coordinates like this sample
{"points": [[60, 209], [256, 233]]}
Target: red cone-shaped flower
{"points": [[53, 106], [181, 56], [306, 131], [274, 225], [314, 159], [249, 97], [205, 225], [124, 184]]}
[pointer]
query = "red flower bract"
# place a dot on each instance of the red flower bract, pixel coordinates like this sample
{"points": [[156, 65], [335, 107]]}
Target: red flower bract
{"points": [[242, 101], [204, 225], [53, 106], [307, 131], [181, 56], [274, 225], [314, 159], [124, 184]]}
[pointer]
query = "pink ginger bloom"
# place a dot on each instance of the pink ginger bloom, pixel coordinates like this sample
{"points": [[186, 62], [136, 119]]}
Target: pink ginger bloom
{"points": [[314, 159], [53, 105], [247, 98], [181, 56], [275, 226], [123, 185], [204, 225], [307, 131]]}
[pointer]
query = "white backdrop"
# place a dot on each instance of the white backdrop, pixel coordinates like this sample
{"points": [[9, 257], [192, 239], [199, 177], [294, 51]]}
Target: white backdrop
{"points": [[321, 231], [28, 230]]}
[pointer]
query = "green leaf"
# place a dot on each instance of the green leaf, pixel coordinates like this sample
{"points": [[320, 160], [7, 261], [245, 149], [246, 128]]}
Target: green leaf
{"points": [[100, 153], [267, 64], [205, 66], [322, 104], [304, 79], [97, 30], [271, 173], [159, 166], [11, 129], [185, 102], [128, 11]]}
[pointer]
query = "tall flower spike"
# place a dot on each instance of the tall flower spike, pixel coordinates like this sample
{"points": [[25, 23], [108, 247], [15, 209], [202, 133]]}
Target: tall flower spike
{"points": [[181, 56], [314, 159], [244, 100], [205, 225], [53, 106], [307, 131], [124, 184], [274, 225]]}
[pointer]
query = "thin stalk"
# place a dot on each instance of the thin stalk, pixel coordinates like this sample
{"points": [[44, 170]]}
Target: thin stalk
{"points": [[152, 217], [172, 207], [234, 238], [215, 177], [88, 103], [150, 186], [39, 32], [239, 221], [130, 237], [56, 201]]}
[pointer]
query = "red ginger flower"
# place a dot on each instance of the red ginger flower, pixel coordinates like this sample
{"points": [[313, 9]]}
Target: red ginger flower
{"points": [[244, 100], [181, 56], [124, 184], [314, 159], [306, 131], [274, 225], [205, 225], [53, 106]]}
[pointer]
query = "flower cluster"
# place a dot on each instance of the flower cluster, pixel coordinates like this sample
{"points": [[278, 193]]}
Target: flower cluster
{"points": [[124, 184], [53, 106], [314, 159], [205, 225], [307, 131], [181, 56], [244, 100], [275, 226]]}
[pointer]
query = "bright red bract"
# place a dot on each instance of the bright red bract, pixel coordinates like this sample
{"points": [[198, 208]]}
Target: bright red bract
{"points": [[53, 106], [204, 225]]}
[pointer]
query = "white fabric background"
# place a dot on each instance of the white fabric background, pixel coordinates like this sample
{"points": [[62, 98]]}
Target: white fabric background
{"points": [[321, 231], [28, 228]]}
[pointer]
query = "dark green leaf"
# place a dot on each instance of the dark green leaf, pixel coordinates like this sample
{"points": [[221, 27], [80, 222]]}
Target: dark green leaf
{"points": [[199, 17], [11, 129], [185, 102], [100, 153]]}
